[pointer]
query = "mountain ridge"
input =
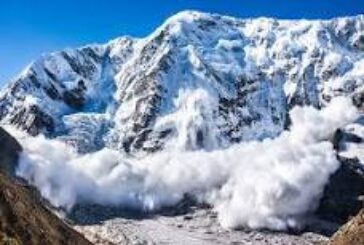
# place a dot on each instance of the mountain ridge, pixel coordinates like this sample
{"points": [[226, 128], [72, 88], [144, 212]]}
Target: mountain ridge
{"points": [[127, 90]]}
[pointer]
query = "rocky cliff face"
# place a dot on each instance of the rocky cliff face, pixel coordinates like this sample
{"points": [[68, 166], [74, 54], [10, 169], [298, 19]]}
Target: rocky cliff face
{"points": [[203, 79], [23, 218], [350, 233], [9, 152]]}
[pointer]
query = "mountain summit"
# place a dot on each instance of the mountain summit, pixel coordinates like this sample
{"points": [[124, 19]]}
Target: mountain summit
{"points": [[200, 81]]}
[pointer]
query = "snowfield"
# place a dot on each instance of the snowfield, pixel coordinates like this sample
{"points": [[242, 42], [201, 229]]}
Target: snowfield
{"points": [[128, 94]]}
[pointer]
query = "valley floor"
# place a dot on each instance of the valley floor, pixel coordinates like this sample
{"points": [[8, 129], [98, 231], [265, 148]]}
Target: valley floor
{"points": [[198, 227]]}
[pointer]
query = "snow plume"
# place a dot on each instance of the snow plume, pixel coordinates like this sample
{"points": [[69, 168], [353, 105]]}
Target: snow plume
{"points": [[268, 184], [192, 121]]}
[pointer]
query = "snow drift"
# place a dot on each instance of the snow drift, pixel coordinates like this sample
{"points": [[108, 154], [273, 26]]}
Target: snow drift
{"points": [[271, 183]]}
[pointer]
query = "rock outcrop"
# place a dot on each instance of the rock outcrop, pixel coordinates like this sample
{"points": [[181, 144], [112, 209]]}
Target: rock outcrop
{"points": [[9, 152], [344, 194], [23, 217], [351, 233]]}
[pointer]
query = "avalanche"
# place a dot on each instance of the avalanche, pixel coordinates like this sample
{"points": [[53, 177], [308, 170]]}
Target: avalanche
{"points": [[261, 184]]}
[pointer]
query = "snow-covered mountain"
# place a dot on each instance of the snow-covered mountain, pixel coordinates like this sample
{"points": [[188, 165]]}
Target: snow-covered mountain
{"points": [[199, 81]]}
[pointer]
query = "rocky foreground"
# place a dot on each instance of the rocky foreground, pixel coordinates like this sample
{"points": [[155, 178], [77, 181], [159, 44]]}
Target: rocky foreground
{"points": [[23, 217], [351, 233]]}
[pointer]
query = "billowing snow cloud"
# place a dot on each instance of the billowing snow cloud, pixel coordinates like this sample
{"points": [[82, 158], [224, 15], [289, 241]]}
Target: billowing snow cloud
{"points": [[267, 184]]}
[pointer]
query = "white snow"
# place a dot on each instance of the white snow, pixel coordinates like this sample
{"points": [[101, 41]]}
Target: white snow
{"points": [[282, 59], [268, 184]]}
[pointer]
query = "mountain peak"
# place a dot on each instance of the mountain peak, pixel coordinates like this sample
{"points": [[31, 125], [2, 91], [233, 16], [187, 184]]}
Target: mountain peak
{"points": [[130, 91], [187, 15]]}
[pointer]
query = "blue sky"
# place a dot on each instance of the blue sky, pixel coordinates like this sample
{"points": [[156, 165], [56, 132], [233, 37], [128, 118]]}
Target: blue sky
{"points": [[30, 28]]}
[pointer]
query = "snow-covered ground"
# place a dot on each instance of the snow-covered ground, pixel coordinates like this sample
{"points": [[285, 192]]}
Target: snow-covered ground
{"points": [[197, 227]]}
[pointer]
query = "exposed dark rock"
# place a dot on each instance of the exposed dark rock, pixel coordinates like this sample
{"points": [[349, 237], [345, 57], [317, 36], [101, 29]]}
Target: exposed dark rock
{"points": [[33, 120], [50, 74], [76, 97], [23, 218], [352, 233], [73, 99], [9, 150], [343, 195], [144, 116], [337, 139], [34, 80], [52, 92], [341, 136], [90, 52], [85, 69], [358, 99], [359, 43]]}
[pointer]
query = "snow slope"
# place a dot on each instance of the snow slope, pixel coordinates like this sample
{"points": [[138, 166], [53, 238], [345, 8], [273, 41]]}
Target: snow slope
{"points": [[203, 79]]}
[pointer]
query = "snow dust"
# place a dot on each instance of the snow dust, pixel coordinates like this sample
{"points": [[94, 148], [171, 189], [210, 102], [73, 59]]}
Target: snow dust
{"points": [[270, 184]]}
